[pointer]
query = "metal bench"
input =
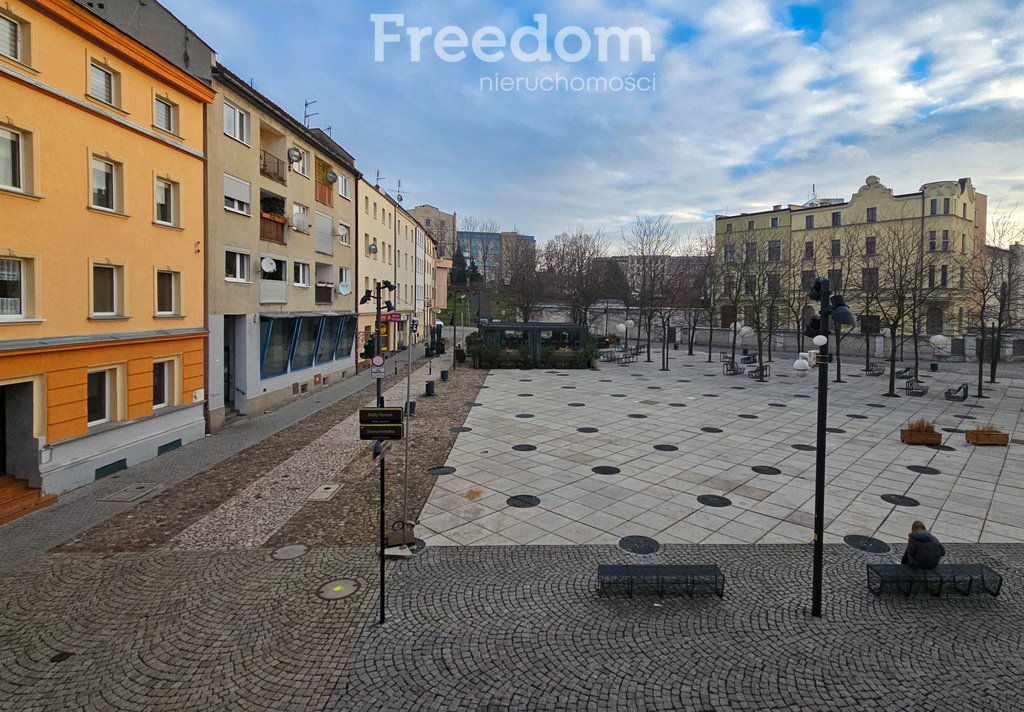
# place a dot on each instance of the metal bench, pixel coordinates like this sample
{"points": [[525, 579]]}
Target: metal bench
{"points": [[961, 576], [760, 372], [748, 359], [662, 578], [957, 394], [905, 373], [731, 368], [874, 369], [608, 356], [723, 356], [915, 388]]}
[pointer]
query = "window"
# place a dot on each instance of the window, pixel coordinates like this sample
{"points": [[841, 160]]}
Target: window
{"points": [[870, 244], [301, 166], [301, 271], [945, 240], [774, 250], [809, 222], [13, 38], [344, 278], [963, 275], [101, 404], [774, 285], [807, 278], [730, 253], [775, 222], [934, 206], [931, 276], [345, 233], [728, 285], [366, 205], [165, 390], [104, 84], [932, 243], [872, 215], [106, 290], [168, 290], [965, 210], [236, 123], [750, 252], [943, 276], [13, 293], [276, 338], [837, 248], [963, 243], [750, 286], [305, 342], [945, 206], [345, 187], [837, 219], [236, 266], [277, 273], [12, 160], [106, 179], [835, 276], [300, 218], [166, 202], [869, 278], [375, 210], [808, 250], [750, 224], [324, 239], [237, 196], [165, 115], [728, 227]]}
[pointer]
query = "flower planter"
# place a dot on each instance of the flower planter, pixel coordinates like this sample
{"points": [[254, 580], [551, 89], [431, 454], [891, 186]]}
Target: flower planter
{"points": [[916, 437], [984, 437]]}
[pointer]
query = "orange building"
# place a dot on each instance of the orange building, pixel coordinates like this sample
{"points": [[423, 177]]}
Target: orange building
{"points": [[102, 326]]}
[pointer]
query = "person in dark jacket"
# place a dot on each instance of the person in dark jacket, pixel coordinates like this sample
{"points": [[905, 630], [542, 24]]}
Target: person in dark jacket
{"points": [[923, 549]]}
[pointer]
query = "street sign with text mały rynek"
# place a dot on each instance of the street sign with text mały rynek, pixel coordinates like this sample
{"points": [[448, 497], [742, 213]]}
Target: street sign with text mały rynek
{"points": [[381, 424]]}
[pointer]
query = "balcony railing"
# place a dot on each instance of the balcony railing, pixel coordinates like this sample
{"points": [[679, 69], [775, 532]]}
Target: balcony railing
{"points": [[273, 167], [272, 228]]}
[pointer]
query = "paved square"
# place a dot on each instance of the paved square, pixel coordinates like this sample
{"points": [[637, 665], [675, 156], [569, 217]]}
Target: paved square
{"points": [[627, 450]]}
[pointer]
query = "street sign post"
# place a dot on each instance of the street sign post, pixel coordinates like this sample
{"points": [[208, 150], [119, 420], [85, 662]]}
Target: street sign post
{"points": [[381, 424]]}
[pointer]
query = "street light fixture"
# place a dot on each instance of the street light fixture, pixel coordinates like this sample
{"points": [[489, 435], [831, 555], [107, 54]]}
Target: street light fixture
{"points": [[832, 309]]}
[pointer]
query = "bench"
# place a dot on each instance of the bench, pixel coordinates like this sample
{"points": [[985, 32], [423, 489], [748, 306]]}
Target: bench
{"points": [[723, 356], [760, 372], [608, 356], [905, 373], [957, 394], [961, 576], [626, 358], [915, 388], [731, 368], [662, 577], [874, 369], [748, 359]]}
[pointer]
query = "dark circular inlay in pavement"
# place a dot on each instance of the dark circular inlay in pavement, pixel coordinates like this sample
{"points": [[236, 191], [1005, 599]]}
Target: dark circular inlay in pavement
{"points": [[618, 395], [666, 448], [900, 500], [714, 500], [804, 447], [711, 430], [866, 543], [942, 448], [953, 430], [576, 405], [569, 388], [800, 395], [524, 448], [605, 470], [471, 404], [855, 416], [965, 417], [877, 405], [445, 470], [636, 415], [766, 470], [777, 405], [739, 388], [923, 469], [460, 429], [524, 415], [835, 431], [683, 380], [711, 375], [678, 405], [974, 405], [639, 544], [654, 388], [61, 656], [586, 430], [525, 395], [522, 501], [525, 380], [710, 395], [747, 416], [605, 380], [637, 375]]}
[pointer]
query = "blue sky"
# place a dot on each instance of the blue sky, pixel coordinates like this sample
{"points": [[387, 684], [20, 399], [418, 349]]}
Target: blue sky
{"points": [[754, 102]]}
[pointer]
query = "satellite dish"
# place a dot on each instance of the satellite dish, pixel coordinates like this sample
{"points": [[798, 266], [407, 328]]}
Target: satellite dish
{"points": [[344, 288], [331, 177], [399, 197], [268, 264], [294, 154], [300, 222]]}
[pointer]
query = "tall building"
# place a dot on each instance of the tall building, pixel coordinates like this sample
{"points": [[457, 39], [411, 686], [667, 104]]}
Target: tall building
{"points": [[102, 234], [484, 249], [441, 226]]}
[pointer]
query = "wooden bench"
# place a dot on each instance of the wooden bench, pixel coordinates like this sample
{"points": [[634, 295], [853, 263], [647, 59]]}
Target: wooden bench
{"points": [[760, 372], [957, 394], [915, 388], [874, 369], [731, 368], [961, 576], [662, 578]]}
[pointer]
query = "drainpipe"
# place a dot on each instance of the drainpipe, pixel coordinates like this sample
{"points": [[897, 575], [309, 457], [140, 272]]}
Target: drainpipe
{"points": [[355, 275]]}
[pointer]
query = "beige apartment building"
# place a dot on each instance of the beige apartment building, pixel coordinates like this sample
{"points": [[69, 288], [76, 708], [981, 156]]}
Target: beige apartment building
{"points": [[282, 234], [441, 226]]}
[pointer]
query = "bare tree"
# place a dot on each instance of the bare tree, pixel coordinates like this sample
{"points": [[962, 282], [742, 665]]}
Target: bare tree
{"points": [[697, 297], [521, 280], [573, 262], [648, 242]]}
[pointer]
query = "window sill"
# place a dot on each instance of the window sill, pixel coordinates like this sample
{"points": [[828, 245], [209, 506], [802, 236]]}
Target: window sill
{"points": [[20, 320], [232, 280], [168, 316], [301, 286], [165, 132], [106, 105], [105, 211], [168, 226], [235, 138], [19, 63], [19, 193], [111, 317], [237, 212]]}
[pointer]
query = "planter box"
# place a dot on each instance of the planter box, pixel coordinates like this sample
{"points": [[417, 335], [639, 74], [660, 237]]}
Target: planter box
{"points": [[912, 437], [976, 437]]}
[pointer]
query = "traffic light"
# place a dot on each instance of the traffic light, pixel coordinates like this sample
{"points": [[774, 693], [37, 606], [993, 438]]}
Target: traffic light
{"points": [[370, 349], [414, 325]]}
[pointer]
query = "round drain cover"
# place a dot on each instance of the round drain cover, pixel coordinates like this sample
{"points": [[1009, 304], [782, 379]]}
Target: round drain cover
{"points": [[711, 430], [953, 430], [523, 501], [292, 551], [525, 380], [834, 430], [618, 395], [800, 395], [777, 405], [445, 470], [338, 589], [942, 448], [639, 544], [923, 469], [586, 430], [605, 380], [866, 543], [569, 388], [965, 417], [766, 470], [654, 388], [739, 388], [900, 500], [876, 405], [854, 416], [61, 656], [678, 405], [710, 395], [747, 416], [577, 405], [524, 448], [805, 448], [418, 546], [525, 395], [666, 448], [460, 429], [683, 380], [636, 415], [605, 470], [714, 500], [524, 415]]}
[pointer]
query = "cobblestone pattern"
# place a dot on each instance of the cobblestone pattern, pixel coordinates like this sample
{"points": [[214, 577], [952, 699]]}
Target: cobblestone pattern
{"points": [[179, 631], [522, 628]]}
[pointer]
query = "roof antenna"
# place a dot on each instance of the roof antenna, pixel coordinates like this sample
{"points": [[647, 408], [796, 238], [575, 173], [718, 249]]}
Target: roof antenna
{"points": [[379, 179], [306, 115], [399, 196]]}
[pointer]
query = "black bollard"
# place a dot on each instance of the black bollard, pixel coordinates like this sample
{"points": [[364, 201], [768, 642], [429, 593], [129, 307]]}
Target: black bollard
{"points": [[430, 388], [444, 374], [410, 408]]}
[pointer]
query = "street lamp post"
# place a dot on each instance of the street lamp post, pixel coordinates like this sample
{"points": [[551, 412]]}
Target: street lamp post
{"points": [[832, 308]]}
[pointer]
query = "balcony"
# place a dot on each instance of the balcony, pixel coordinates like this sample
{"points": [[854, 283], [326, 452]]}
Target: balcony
{"points": [[273, 167], [324, 292], [324, 193], [272, 228]]}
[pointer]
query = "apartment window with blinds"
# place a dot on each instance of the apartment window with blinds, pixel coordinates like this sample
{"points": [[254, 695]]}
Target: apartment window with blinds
{"points": [[106, 182], [301, 274], [323, 192], [12, 289], [104, 84], [236, 123], [165, 115], [12, 160], [344, 233], [324, 241], [344, 187], [12, 34], [107, 299], [168, 288], [237, 195]]}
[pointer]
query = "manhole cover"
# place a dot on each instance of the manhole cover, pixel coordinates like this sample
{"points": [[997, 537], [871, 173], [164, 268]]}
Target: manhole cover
{"points": [[460, 429], [677, 405], [292, 551], [714, 500], [835, 431], [338, 589], [855, 416], [605, 470], [900, 500], [445, 470], [524, 415], [942, 448], [777, 405], [577, 405], [132, 492], [805, 448], [639, 544], [586, 430], [522, 501], [923, 469], [636, 415], [953, 430], [711, 430], [61, 656], [323, 493], [766, 470], [524, 448], [866, 543], [666, 448], [747, 416]]}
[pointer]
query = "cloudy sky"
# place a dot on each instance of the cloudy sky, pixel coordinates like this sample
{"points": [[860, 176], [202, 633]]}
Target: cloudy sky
{"points": [[752, 103]]}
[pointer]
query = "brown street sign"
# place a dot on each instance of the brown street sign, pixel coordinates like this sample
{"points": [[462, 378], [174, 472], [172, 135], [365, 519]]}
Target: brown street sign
{"points": [[380, 416], [381, 432]]}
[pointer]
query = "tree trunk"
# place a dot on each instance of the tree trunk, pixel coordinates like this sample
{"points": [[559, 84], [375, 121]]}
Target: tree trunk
{"points": [[892, 362], [917, 355], [839, 360], [997, 339], [650, 324], [981, 359], [867, 351], [711, 337]]}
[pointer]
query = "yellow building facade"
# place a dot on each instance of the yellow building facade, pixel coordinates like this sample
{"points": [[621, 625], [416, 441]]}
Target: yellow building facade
{"points": [[101, 247]]}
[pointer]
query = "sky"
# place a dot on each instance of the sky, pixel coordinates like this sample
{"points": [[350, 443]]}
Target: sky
{"points": [[745, 103]]}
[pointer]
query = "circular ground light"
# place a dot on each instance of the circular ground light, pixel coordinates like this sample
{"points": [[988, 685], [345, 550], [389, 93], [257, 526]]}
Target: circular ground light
{"points": [[586, 430], [292, 551], [666, 448], [338, 589], [766, 470], [524, 448], [636, 415], [866, 543], [777, 405], [711, 430], [524, 415], [953, 430], [941, 448], [677, 405], [804, 447], [747, 416], [714, 500], [605, 470], [525, 395], [445, 470], [855, 416], [923, 469], [900, 500], [577, 405], [639, 544], [836, 431], [522, 501], [460, 429]]}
